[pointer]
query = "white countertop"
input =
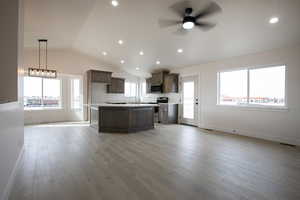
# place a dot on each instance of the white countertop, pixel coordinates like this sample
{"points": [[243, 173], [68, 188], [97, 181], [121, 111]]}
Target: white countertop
{"points": [[172, 103], [123, 105]]}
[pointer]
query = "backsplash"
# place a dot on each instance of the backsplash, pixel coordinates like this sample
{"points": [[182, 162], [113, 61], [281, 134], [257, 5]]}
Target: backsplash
{"points": [[173, 97], [99, 95]]}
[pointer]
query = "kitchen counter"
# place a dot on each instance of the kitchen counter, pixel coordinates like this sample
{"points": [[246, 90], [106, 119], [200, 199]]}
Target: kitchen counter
{"points": [[123, 105], [122, 118]]}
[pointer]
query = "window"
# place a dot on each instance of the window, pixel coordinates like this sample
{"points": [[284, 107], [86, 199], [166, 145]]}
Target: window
{"points": [[130, 89], [253, 86], [233, 87], [42, 93], [144, 88], [267, 86], [76, 97]]}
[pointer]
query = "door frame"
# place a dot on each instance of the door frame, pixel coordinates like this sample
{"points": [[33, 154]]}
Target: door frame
{"points": [[198, 109]]}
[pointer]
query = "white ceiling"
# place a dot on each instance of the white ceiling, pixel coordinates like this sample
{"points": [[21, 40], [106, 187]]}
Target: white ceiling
{"points": [[93, 26]]}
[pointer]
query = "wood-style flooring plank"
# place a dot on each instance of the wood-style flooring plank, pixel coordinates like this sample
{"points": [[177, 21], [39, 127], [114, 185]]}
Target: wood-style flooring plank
{"points": [[74, 162]]}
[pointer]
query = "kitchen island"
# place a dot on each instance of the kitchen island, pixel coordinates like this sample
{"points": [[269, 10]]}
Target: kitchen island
{"points": [[122, 118]]}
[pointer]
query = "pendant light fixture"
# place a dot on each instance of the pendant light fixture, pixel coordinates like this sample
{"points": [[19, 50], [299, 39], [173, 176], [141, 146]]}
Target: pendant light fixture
{"points": [[40, 71]]}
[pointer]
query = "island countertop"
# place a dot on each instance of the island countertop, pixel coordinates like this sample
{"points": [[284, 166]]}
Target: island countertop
{"points": [[122, 105]]}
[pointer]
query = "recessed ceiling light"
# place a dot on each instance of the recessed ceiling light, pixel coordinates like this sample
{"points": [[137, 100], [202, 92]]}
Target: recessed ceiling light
{"points": [[104, 53], [158, 62], [122, 61], [274, 20], [141, 53], [137, 68], [120, 42], [179, 50], [115, 3]]}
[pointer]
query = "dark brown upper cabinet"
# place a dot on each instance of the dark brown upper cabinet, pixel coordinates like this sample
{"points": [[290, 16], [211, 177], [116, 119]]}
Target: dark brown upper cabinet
{"points": [[117, 86], [158, 78], [170, 83], [99, 76]]}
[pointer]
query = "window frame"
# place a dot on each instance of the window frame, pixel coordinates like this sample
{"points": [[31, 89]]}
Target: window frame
{"points": [[254, 106], [60, 107], [71, 81], [136, 89]]}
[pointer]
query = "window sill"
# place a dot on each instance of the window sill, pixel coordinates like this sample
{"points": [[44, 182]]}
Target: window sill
{"points": [[42, 109], [257, 108]]}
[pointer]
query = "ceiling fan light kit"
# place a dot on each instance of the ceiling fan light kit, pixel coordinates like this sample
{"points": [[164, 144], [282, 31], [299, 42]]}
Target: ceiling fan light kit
{"points": [[189, 18], [42, 72], [188, 25]]}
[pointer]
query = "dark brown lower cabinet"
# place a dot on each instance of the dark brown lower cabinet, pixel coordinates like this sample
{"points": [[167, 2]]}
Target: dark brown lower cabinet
{"points": [[168, 113], [125, 119]]}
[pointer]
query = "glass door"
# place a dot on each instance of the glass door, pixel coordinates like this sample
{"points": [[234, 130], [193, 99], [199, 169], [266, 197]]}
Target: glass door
{"points": [[190, 100]]}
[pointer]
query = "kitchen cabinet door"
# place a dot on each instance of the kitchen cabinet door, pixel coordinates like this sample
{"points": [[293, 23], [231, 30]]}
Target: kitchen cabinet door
{"points": [[157, 78], [117, 86], [100, 76], [171, 83], [168, 113]]}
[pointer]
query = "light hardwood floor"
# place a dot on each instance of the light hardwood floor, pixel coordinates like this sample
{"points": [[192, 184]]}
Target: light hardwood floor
{"points": [[170, 162]]}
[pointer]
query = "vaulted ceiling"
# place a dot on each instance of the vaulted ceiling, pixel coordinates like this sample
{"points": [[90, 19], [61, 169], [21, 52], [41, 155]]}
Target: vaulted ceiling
{"points": [[94, 26]]}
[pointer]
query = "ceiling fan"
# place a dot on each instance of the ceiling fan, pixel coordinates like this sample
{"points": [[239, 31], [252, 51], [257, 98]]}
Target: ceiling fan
{"points": [[189, 18]]}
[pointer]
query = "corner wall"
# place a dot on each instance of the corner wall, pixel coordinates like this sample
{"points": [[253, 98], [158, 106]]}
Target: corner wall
{"points": [[11, 114], [282, 126]]}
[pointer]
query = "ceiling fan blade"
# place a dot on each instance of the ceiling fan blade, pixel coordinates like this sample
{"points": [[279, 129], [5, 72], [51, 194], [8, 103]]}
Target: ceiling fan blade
{"points": [[205, 25], [181, 32], [211, 9], [164, 23], [179, 8]]}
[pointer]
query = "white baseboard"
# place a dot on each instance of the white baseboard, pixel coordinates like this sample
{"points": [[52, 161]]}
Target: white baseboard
{"points": [[248, 133], [12, 177]]}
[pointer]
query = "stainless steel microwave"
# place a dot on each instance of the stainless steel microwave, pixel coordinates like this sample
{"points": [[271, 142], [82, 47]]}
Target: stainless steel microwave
{"points": [[156, 89]]}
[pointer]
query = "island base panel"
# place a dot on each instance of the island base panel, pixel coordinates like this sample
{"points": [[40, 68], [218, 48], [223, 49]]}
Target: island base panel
{"points": [[125, 119]]}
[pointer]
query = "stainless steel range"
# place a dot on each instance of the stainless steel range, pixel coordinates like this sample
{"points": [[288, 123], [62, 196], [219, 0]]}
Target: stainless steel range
{"points": [[162, 100]]}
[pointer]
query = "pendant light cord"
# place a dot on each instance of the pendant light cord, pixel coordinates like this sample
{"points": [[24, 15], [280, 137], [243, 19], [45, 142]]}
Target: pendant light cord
{"points": [[45, 41], [46, 55], [39, 54]]}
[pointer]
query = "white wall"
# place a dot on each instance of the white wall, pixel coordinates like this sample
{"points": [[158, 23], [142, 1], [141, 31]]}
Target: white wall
{"points": [[11, 114], [282, 126], [69, 62]]}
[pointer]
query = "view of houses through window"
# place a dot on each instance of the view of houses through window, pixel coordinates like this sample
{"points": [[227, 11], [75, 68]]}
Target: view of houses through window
{"points": [[253, 86], [42, 93]]}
